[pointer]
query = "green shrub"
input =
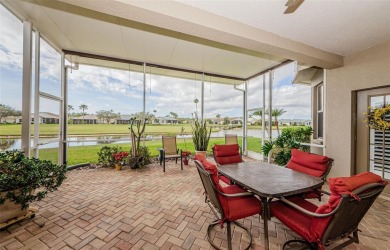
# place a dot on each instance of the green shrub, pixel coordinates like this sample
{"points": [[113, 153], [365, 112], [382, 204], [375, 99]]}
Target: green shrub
{"points": [[289, 139], [106, 156], [21, 176], [142, 159]]}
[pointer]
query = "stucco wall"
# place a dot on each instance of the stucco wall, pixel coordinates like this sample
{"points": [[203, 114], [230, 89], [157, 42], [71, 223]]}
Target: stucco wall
{"points": [[366, 69]]}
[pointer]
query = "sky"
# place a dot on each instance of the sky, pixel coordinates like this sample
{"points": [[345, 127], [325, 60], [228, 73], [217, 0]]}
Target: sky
{"points": [[110, 89]]}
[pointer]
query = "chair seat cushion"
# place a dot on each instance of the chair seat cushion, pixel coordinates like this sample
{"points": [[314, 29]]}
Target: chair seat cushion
{"points": [[292, 218], [311, 164], [236, 208]]}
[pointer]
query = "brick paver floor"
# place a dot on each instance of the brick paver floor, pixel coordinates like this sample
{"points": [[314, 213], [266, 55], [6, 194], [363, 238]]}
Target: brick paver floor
{"points": [[149, 209]]}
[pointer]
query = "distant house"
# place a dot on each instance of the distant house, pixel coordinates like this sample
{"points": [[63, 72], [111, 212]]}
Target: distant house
{"points": [[11, 119], [236, 120], [123, 119], [166, 120], [86, 119], [46, 118], [295, 122], [216, 121]]}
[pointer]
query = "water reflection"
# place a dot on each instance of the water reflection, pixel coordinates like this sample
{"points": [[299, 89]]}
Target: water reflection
{"points": [[74, 141]]}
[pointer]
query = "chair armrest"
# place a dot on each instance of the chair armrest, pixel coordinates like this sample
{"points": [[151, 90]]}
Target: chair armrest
{"points": [[236, 194], [160, 149], [301, 209]]}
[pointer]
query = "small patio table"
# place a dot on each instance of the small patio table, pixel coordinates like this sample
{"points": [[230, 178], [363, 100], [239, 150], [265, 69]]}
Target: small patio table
{"points": [[269, 181]]}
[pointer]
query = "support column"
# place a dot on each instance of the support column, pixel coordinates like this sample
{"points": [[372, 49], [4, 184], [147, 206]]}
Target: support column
{"points": [[202, 99], [36, 93], [271, 76], [263, 117], [26, 93], [245, 120], [62, 151], [144, 104]]}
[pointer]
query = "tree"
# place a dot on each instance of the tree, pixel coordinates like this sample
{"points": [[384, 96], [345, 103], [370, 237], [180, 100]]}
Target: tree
{"points": [[226, 121], [218, 116], [6, 110], [83, 107], [70, 108], [173, 114], [106, 115], [276, 112]]}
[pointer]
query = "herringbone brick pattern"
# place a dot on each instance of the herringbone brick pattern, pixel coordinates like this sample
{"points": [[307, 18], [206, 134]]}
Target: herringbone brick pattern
{"points": [[148, 209]]}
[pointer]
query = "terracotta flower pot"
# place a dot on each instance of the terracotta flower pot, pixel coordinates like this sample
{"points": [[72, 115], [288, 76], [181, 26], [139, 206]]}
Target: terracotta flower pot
{"points": [[204, 153], [118, 167]]}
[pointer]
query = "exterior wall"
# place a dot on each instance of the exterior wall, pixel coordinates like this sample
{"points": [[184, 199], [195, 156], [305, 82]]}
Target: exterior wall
{"points": [[366, 69]]}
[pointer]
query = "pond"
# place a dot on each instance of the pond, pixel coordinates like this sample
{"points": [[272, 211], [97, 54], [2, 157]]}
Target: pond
{"points": [[74, 141]]}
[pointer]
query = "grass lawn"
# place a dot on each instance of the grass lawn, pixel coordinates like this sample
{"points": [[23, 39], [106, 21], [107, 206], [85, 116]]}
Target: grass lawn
{"points": [[77, 155], [96, 129]]}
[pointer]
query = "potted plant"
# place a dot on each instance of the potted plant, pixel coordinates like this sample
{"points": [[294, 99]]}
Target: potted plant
{"points": [[24, 180], [120, 159], [200, 136], [186, 155], [139, 155]]}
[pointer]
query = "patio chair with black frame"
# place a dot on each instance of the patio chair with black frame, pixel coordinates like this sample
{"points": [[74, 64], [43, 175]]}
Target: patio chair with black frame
{"points": [[311, 164], [169, 150], [226, 203], [322, 226], [227, 154]]}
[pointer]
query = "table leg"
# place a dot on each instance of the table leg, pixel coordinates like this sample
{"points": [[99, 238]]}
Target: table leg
{"points": [[264, 216]]}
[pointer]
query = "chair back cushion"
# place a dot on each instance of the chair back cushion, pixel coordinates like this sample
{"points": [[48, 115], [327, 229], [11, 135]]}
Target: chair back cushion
{"points": [[227, 154], [339, 186], [169, 145], [311, 164]]}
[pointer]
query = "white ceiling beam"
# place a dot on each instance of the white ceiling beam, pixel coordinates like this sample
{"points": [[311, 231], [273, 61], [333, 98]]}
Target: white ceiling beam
{"points": [[195, 23]]}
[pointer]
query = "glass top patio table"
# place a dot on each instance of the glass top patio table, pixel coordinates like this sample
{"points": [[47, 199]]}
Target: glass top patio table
{"points": [[269, 181]]}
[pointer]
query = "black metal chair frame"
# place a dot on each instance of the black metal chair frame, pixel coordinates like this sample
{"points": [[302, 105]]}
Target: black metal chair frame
{"points": [[211, 193], [346, 216], [162, 157]]}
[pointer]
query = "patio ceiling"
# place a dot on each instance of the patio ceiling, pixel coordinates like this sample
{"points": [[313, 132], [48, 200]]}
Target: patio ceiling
{"points": [[203, 38]]}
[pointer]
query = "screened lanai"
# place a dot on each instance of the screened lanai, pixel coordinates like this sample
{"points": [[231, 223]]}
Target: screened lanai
{"points": [[132, 48]]}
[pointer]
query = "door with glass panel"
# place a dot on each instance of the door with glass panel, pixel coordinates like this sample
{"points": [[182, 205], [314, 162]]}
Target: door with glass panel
{"points": [[372, 145]]}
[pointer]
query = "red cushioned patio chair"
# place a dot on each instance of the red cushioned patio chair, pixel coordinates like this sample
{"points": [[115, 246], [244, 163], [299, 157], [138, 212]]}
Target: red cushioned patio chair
{"points": [[226, 154], [311, 164], [228, 204], [320, 227]]}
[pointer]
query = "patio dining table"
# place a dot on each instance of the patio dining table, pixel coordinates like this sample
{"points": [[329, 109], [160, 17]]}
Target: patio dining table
{"points": [[269, 181]]}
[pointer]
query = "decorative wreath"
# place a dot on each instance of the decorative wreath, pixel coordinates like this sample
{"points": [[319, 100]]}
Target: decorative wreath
{"points": [[376, 118]]}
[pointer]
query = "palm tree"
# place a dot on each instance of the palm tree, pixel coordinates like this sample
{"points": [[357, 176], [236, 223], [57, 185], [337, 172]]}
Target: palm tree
{"points": [[83, 107], [196, 103], [276, 112], [70, 107]]}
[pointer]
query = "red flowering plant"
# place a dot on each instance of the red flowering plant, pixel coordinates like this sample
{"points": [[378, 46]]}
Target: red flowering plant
{"points": [[120, 157]]}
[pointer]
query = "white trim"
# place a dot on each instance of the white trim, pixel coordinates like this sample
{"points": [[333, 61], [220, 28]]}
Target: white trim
{"points": [[50, 96], [36, 93], [26, 92]]}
